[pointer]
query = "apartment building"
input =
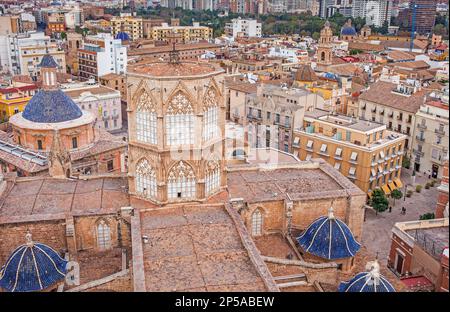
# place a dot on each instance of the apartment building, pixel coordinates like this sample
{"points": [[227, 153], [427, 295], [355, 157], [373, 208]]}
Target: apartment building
{"points": [[393, 104], [132, 25], [101, 101], [376, 12], [116, 82], [272, 114], [187, 34], [364, 151], [236, 96], [431, 136], [100, 55], [243, 28], [14, 97]]}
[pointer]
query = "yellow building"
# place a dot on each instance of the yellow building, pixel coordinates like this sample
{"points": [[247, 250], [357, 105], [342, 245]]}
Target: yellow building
{"points": [[187, 34], [132, 25], [364, 151], [14, 98]]}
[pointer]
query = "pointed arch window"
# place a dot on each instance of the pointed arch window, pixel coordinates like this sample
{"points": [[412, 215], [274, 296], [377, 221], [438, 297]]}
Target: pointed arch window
{"points": [[212, 177], [145, 179], [146, 119], [181, 181], [179, 121], [103, 235], [257, 218], [210, 116]]}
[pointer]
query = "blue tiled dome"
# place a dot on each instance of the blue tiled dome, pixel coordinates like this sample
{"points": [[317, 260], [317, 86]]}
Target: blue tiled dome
{"points": [[122, 36], [48, 61], [32, 267], [371, 281], [49, 106], [329, 238], [348, 31]]}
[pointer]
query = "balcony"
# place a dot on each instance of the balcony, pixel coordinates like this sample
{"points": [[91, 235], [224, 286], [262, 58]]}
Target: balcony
{"points": [[418, 153], [439, 131], [421, 126], [105, 118], [115, 116], [420, 138], [391, 115]]}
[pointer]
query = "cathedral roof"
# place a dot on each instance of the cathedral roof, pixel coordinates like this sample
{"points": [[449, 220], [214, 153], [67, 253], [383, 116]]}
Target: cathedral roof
{"points": [[32, 267], [50, 106], [371, 281], [122, 36], [305, 73], [329, 238]]}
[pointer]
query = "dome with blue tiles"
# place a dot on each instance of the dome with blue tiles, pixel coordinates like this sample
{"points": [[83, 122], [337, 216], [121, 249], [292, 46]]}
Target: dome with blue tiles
{"points": [[329, 238], [48, 61], [370, 281], [32, 267], [122, 36], [348, 29], [50, 106]]}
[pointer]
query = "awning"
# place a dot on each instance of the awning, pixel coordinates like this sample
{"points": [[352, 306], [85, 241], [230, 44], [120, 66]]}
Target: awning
{"points": [[392, 186], [385, 189], [369, 194], [398, 183]]}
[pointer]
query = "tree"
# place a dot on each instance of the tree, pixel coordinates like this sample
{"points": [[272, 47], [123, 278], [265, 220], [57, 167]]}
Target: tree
{"points": [[379, 202], [427, 216], [406, 162], [63, 35], [396, 194]]}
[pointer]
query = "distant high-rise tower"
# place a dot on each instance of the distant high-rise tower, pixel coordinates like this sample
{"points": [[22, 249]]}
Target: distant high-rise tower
{"points": [[425, 15]]}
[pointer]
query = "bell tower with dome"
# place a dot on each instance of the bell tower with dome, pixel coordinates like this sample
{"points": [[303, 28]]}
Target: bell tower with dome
{"points": [[176, 116], [324, 48]]}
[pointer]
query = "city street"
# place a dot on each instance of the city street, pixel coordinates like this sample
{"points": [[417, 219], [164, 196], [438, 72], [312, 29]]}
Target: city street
{"points": [[377, 227]]}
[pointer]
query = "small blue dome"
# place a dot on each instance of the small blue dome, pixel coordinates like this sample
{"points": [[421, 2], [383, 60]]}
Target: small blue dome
{"points": [[32, 267], [122, 36], [329, 238], [49, 106], [371, 281], [348, 31], [48, 61]]}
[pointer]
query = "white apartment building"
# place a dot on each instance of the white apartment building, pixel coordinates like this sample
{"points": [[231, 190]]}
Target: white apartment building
{"points": [[292, 55], [243, 28], [101, 101], [21, 53], [376, 12], [431, 137], [100, 55]]}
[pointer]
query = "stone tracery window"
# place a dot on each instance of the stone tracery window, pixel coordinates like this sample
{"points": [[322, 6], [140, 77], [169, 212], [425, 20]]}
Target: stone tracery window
{"points": [[212, 177], [103, 235], [179, 121], [181, 181], [146, 125], [257, 219], [210, 116], [145, 179]]}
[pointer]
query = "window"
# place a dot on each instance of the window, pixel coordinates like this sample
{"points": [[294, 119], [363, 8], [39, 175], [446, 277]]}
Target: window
{"points": [[212, 180], [287, 122], [110, 165], [374, 173], [277, 118], [380, 169], [309, 144], [352, 171], [179, 121], [337, 165], [323, 148], [74, 143], [257, 222], [210, 123], [146, 119], [181, 181], [145, 179], [338, 152], [296, 141], [308, 157], [354, 156], [103, 235], [39, 143], [268, 116], [381, 154]]}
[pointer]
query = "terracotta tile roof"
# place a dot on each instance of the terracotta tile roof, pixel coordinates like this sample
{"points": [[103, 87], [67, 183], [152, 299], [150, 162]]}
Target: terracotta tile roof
{"points": [[242, 86], [381, 93], [412, 65], [98, 90], [397, 56], [365, 46], [161, 69], [197, 248], [56, 197], [168, 48]]}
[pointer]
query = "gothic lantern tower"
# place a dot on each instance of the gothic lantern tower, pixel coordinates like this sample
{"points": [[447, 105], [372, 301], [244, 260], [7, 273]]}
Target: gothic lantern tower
{"points": [[324, 48], [176, 116]]}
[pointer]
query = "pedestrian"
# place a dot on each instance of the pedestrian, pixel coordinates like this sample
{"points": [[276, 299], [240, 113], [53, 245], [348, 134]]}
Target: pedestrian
{"points": [[404, 210], [390, 208]]}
